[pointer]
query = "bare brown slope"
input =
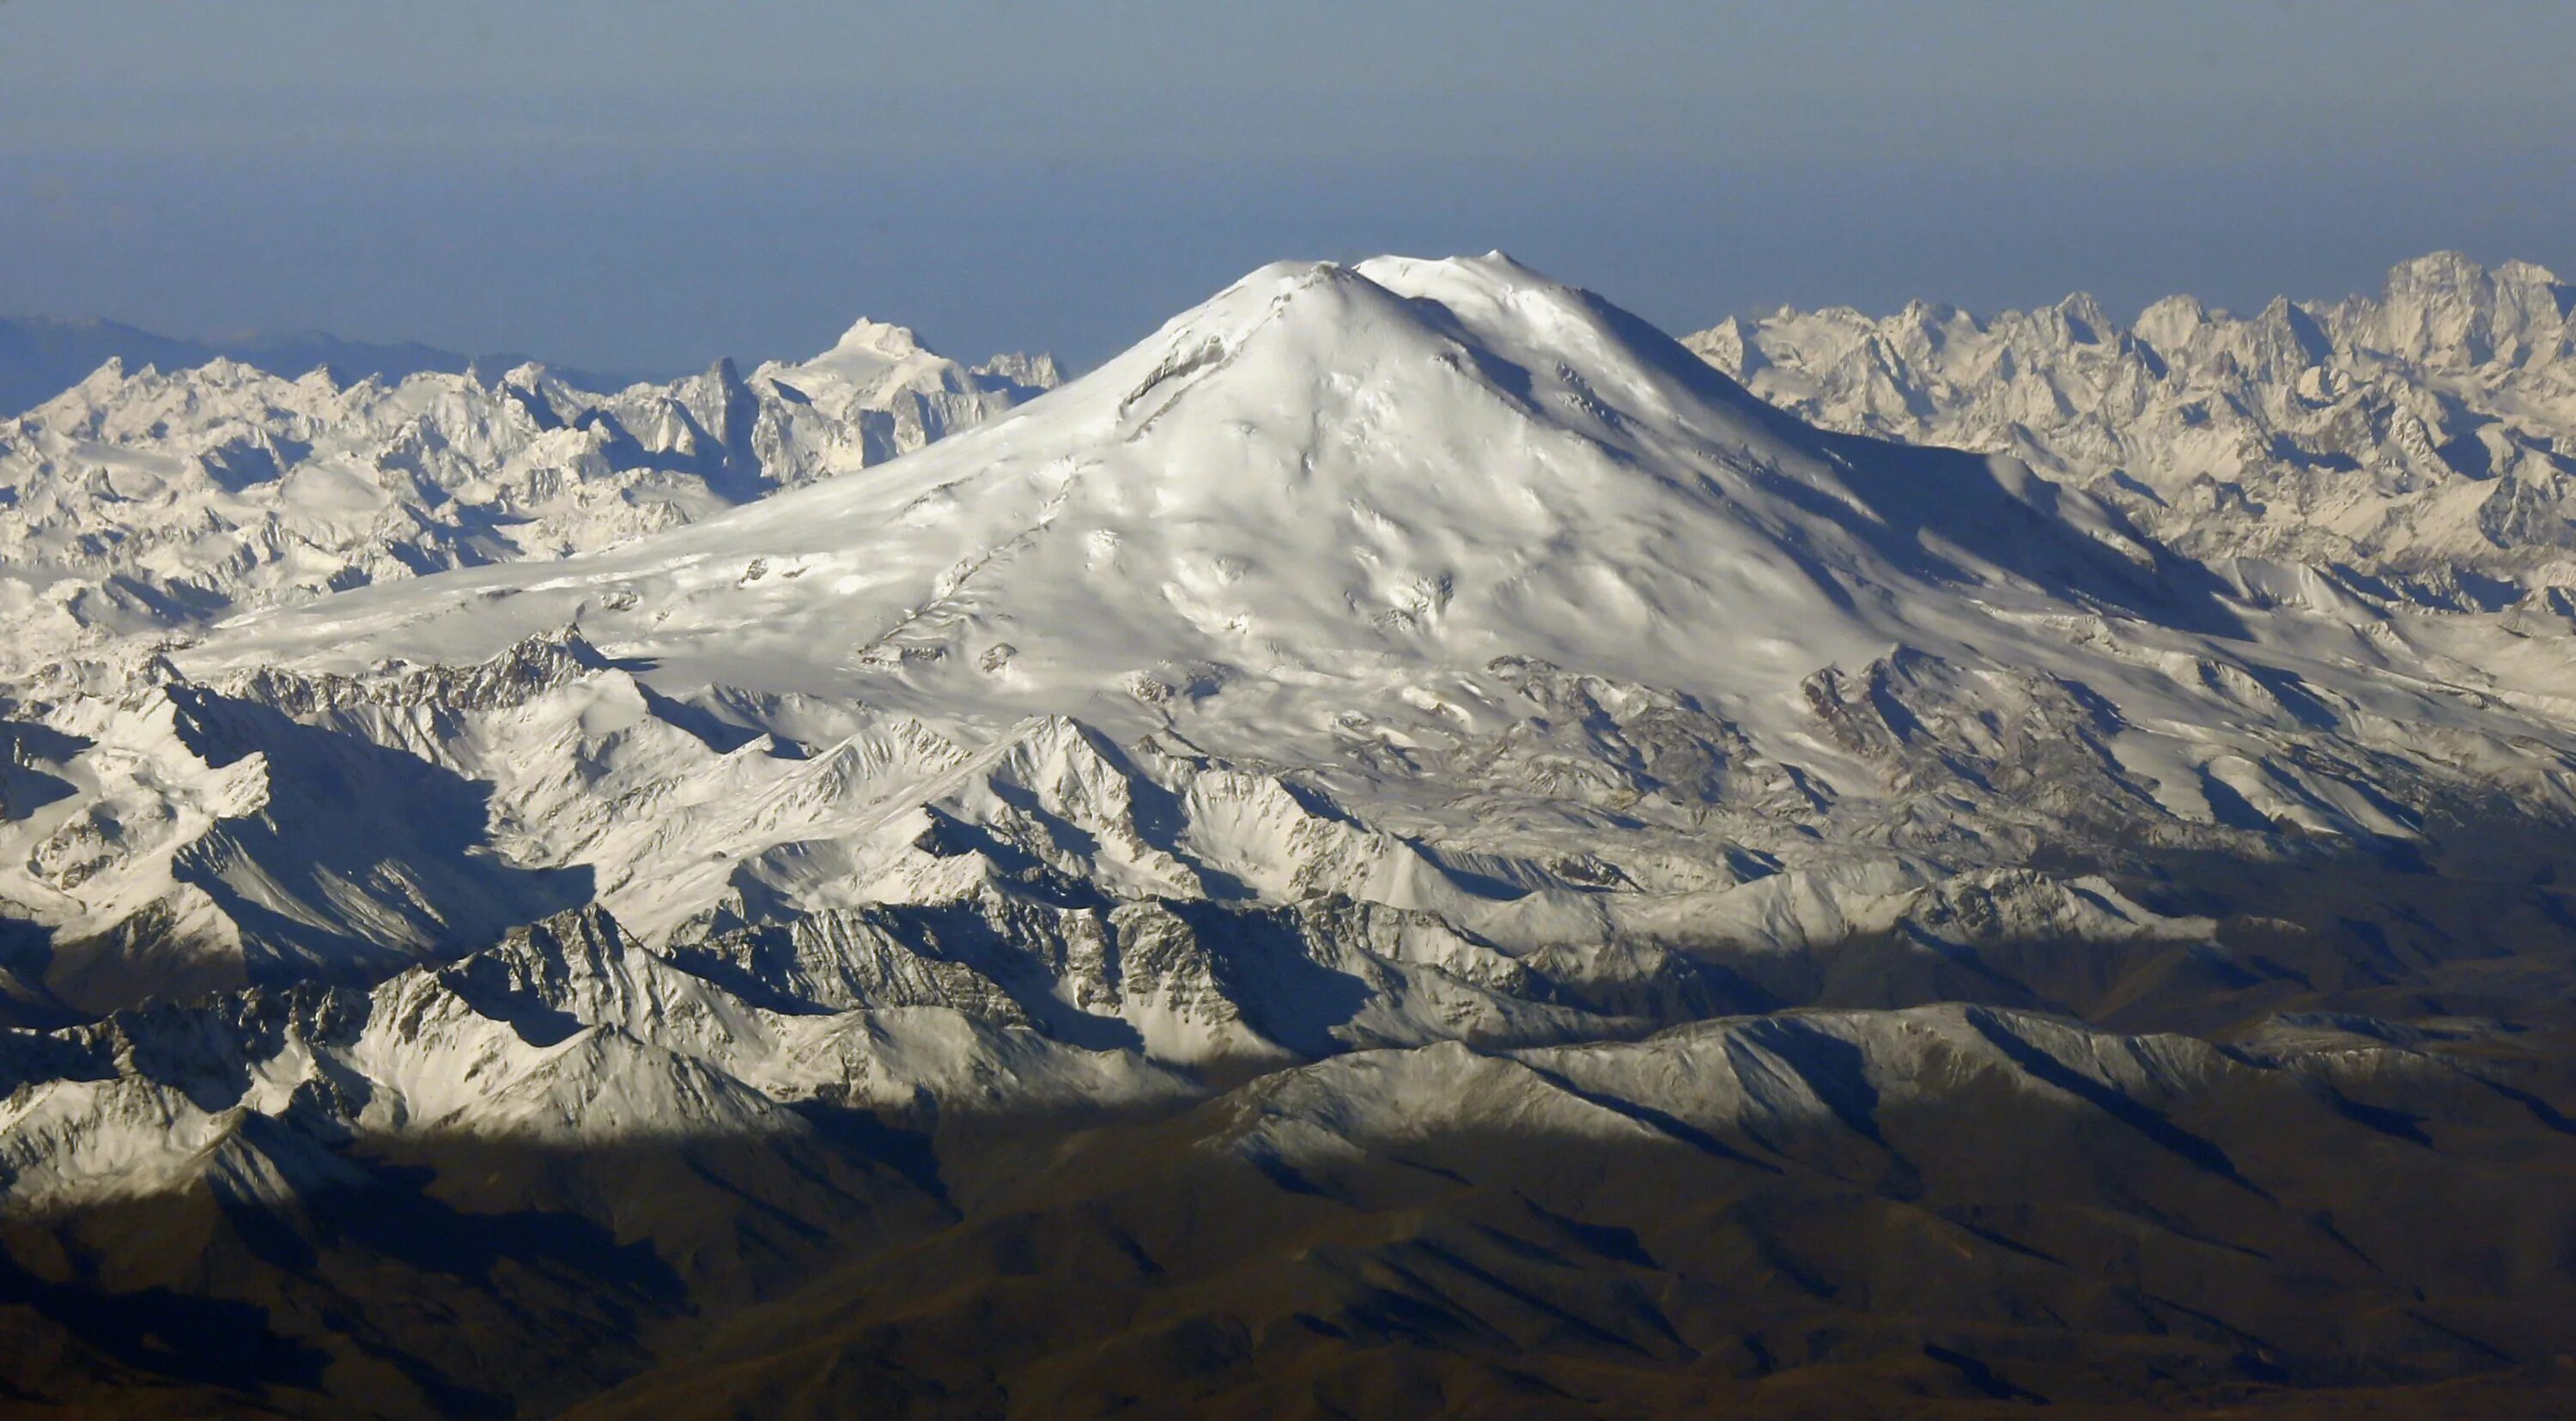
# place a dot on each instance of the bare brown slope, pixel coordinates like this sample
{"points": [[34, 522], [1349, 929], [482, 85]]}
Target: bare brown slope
{"points": [[2269, 1245]]}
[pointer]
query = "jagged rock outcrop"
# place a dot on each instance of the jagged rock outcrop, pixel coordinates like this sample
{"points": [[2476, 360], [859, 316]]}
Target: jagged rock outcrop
{"points": [[1407, 765], [148, 501], [2417, 447]]}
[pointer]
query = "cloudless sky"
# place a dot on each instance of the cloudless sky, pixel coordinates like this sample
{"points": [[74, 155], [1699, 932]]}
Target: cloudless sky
{"points": [[652, 183]]}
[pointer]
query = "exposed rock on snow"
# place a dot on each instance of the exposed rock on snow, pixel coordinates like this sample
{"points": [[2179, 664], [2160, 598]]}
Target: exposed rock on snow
{"points": [[2415, 447], [143, 501], [1375, 657]]}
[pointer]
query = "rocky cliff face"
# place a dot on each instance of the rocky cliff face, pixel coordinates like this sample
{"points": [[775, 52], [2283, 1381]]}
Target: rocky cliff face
{"points": [[2416, 446], [144, 501], [1405, 829]]}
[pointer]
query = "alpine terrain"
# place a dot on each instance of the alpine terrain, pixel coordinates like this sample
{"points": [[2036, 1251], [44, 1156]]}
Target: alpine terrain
{"points": [[1408, 846]]}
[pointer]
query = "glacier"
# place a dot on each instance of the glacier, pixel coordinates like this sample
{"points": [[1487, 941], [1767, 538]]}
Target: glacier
{"points": [[1393, 705]]}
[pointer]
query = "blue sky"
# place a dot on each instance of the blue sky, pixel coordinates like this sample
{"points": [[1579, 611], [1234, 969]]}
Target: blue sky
{"points": [[652, 183]]}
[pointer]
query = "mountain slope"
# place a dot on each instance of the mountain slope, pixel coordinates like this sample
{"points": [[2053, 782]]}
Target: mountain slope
{"points": [[1404, 844], [1427, 442], [139, 501], [41, 356], [2417, 445]]}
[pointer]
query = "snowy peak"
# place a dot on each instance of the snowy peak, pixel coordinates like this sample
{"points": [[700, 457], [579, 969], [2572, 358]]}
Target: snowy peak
{"points": [[155, 500], [867, 353], [878, 337], [2446, 310], [878, 356], [1327, 473], [1535, 345], [898, 393], [2419, 436]]}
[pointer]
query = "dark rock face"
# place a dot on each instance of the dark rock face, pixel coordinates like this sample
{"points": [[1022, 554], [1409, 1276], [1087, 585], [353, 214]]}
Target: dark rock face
{"points": [[2337, 1197], [1494, 875], [1925, 1212]]}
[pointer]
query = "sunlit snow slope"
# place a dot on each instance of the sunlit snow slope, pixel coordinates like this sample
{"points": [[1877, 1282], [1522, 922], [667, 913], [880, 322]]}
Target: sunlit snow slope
{"points": [[1407, 828], [145, 500], [2415, 446], [1375, 655]]}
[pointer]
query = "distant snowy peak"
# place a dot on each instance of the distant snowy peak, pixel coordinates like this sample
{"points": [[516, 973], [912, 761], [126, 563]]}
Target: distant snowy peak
{"points": [[871, 350], [41, 356], [2447, 310], [1373, 655], [1343, 473], [145, 500], [2425, 435], [872, 338], [903, 394]]}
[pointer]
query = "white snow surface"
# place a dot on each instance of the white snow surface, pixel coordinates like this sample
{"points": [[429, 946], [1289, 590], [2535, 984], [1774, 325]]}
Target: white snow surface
{"points": [[1355, 520], [1373, 657], [2416, 446], [141, 500]]}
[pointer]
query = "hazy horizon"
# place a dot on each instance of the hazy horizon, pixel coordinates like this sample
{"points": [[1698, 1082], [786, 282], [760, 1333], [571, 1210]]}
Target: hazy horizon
{"points": [[654, 186]]}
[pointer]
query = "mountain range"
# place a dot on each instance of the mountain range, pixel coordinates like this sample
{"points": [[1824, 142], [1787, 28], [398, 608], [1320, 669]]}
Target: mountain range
{"points": [[2418, 445], [41, 356], [1410, 845], [140, 500]]}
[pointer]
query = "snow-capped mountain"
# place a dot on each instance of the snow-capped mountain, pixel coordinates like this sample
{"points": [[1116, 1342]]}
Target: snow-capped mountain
{"points": [[42, 356], [2417, 446], [142, 501], [1434, 586], [1393, 707]]}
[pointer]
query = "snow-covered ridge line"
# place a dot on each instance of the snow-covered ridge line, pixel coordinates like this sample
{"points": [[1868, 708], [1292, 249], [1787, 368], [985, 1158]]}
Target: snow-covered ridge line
{"points": [[570, 1031], [1375, 655], [42, 356], [145, 502], [2420, 443]]}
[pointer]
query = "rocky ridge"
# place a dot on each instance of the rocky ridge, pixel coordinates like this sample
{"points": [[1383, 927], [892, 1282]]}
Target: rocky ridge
{"points": [[1407, 765], [2416, 446], [142, 501]]}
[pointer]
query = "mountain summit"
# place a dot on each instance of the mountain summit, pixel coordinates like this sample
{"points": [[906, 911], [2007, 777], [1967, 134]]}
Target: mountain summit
{"points": [[1324, 474], [148, 500], [1406, 835], [2418, 438]]}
